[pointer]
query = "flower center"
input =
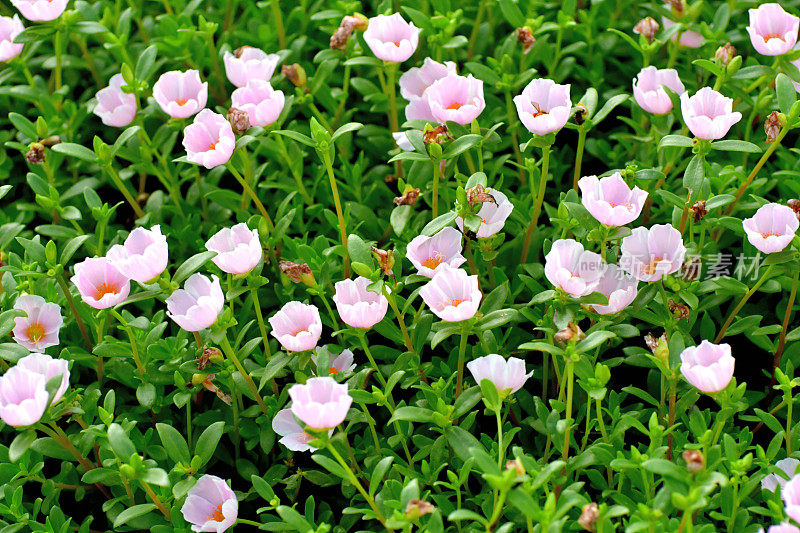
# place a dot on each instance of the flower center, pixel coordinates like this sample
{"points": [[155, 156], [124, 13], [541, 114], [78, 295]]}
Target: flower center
{"points": [[625, 203], [454, 302], [332, 370], [538, 111], [217, 515], [181, 101], [769, 36], [105, 288], [305, 436], [35, 332], [651, 268], [771, 234], [396, 43], [212, 146], [434, 261], [455, 105]]}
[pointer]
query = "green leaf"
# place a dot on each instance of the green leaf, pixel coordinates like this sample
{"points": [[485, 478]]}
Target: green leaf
{"points": [[174, 443], [694, 176], [25, 126], [21, 443], [497, 318], [433, 227], [208, 440], [120, 443], [350, 126], [297, 136], [412, 414], [512, 13], [675, 140], [378, 473], [133, 512], [75, 150], [609, 106], [734, 145], [594, 339], [462, 144], [191, 265]]}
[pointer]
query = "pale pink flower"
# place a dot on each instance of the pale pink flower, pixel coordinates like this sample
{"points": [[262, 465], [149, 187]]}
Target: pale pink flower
{"points": [[321, 403], [648, 89], [452, 294], [210, 505], [337, 363], [357, 306], [572, 269], [100, 282], [40, 10], [260, 101], [198, 304], [416, 81], [23, 397], [772, 30], [456, 98], [297, 326], [493, 214], [10, 27], [391, 38], [610, 200], [544, 106], [688, 38], [249, 63], [430, 254], [796, 63], [49, 368], [791, 498], [708, 367], [181, 94], [708, 114], [238, 249], [114, 106], [788, 468], [39, 329], [783, 527], [620, 289], [401, 139], [209, 140], [143, 256], [772, 228], [293, 435], [651, 254], [507, 375]]}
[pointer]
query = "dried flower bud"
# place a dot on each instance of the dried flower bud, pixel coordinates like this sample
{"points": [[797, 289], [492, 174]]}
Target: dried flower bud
{"points": [[647, 27], [772, 126], [295, 74], [725, 54], [239, 121], [478, 195], [698, 210], [572, 332], [239, 51], [695, 461], [437, 135], [516, 465], [51, 141], [297, 272], [361, 21], [580, 113], [209, 354], [589, 516], [209, 386], [417, 508], [36, 153], [679, 311], [385, 258], [691, 269], [342, 34], [409, 197], [525, 38], [794, 203], [658, 346], [676, 6], [389, 179]]}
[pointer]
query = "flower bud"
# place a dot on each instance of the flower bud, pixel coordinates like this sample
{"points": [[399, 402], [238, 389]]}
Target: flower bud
{"points": [[298, 272], [572, 333], [525, 38], [385, 258], [772, 126], [212, 354], [437, 135], [239, 51], [417, 508], [580, 113], [36, 153], [478, 195], [658, 346], [239, 121], [698, 210], [516, 465], [295, 74], [647, 28], [695, 461], [409, 197], [51, 141], [794, 203], [725, 54], [677, 6], [679, 311], [589, 516]]}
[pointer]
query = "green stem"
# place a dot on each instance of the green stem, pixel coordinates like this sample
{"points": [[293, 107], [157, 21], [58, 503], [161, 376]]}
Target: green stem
{"points": [[435, 183], [537, 206], [57, 45], [156, 500], [134, 350], [569, 375], [501, 450], [231, 354], [741, 303], [579, 158], [776, 361], [512, 127], [112, 173], [357, 484], [249, 190], [326, 158], [81, 326], [475, 27], [298, 178], [772, 147], [462, 348], [363, 337], [276, 14]]}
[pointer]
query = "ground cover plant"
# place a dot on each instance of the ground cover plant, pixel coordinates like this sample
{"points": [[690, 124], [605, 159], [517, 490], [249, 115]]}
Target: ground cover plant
{"points": [[330, 265]]}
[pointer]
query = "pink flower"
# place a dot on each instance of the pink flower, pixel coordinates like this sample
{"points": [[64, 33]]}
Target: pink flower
{"points": [[431, 254], [101, 283], [357, 306], [114, 106], [49, 368], [260, 101], [772, 30], [610, 200], [321, 403], [181, 94], [238, 249], [619, 287], [391, 38], [10, 27], [508, 376], [572, 269], [544, 106], [456, 98], [209, 140], [791, 498], [23, 397], [39, 329], [248, 63], [788, 467], [772, 228], [338, 363], [493, 215], [401, 138], [708, 367], [297, 326], [198, 304], [784, 527], [143, 256], [452, 294], [796, 63], [649, 255], [689, 38], [708, 114], [416, 81], [293, 435], [210, 505], [40, 10], [648, 89]]}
